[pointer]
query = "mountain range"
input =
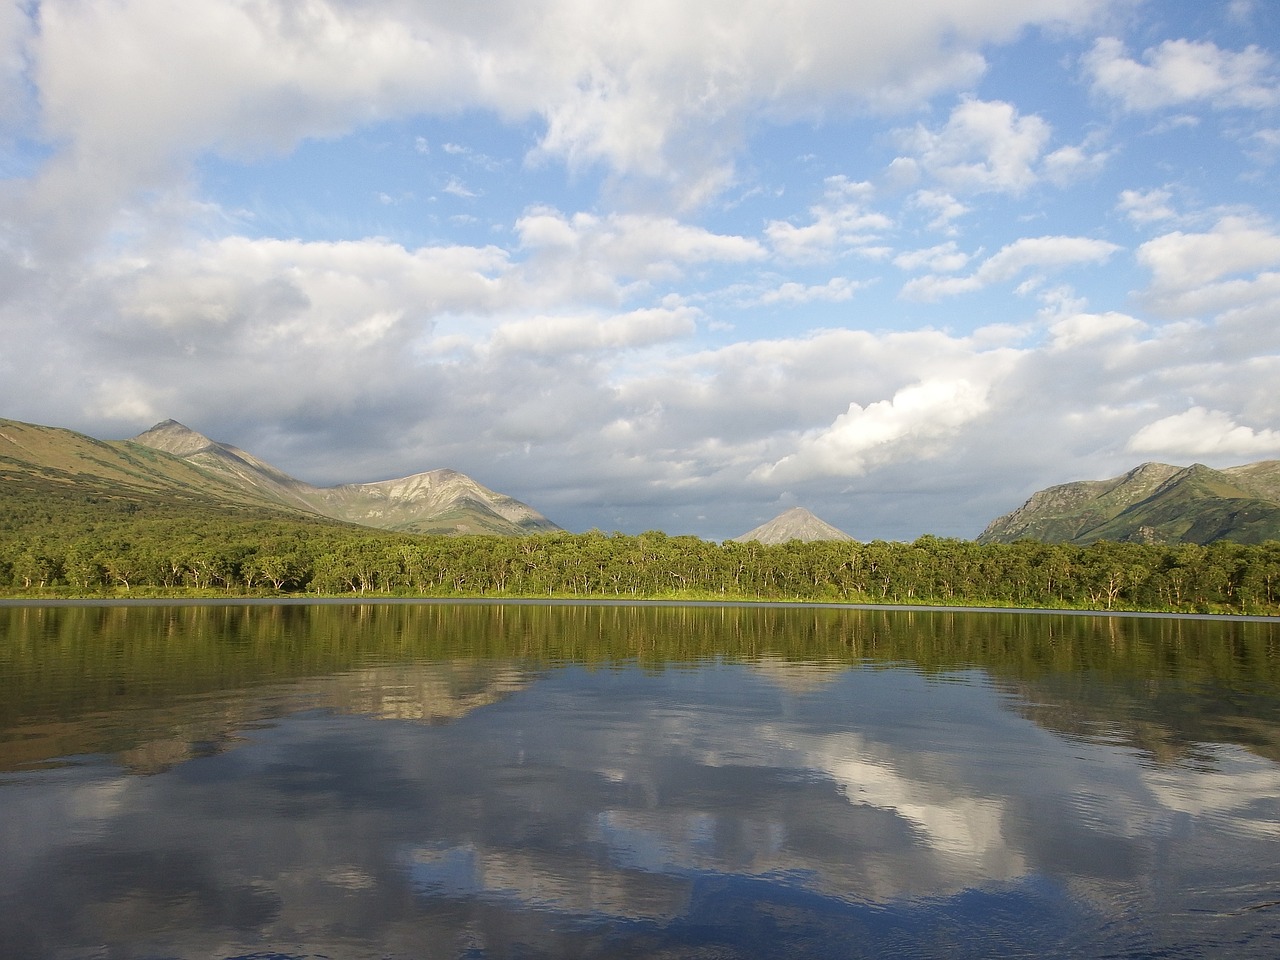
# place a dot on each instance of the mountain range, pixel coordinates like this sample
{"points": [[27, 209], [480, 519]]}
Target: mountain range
{"points": [[1152, 503], [181, 469], [172, 463]]}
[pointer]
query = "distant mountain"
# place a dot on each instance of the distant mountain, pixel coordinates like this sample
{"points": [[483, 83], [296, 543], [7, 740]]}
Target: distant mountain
{"points": [[794, 524], [438, 501], [173, 463], [1152, 503]]}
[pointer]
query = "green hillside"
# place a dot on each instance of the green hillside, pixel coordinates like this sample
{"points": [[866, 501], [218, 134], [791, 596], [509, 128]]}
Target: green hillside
{"points": [[1153, 503], [171, 467], [51, 465], [437, 501]]}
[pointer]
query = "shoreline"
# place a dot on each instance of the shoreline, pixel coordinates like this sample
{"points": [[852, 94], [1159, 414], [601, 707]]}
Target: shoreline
{"points": [[31, 602]]}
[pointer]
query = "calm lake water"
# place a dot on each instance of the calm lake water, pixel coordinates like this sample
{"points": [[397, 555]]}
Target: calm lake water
{"points": [[462, 780]]}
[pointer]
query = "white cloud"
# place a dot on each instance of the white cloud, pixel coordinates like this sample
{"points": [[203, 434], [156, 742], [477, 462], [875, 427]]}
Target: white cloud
{"points": [[1066, 165], [559, 336], [216, 284], [1077, 329], [1195, 273], [299, 326], [1241, 11], [1033, 252], [1264, 146], [632, 244], [984, 146], [129, 399], [1198, 432], [945, 208], [16, 32], [835, 290], [841, 222], [1179, 72], [1235, 245], [1029, 253], [944, 258], [137, 132], [1146, 206], [131, 90], [469, 356], [915, 423], [459, 189]]}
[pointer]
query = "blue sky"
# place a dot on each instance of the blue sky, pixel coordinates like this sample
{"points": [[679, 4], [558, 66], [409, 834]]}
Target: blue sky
{"points": [[668, 265]]}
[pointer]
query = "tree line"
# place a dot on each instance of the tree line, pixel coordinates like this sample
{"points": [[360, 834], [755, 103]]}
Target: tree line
{"points": [[174, 555]]}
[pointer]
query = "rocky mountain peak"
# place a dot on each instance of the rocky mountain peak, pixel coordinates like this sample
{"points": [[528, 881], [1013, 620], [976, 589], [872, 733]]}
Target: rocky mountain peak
{"points": [[173, 437], [794, 524]]}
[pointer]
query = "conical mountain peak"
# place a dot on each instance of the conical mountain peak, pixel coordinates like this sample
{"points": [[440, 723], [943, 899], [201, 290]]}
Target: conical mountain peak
{"points": [[794, 524]]}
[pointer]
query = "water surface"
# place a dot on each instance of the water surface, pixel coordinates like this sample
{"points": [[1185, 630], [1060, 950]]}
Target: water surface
{"points": [[578, 781]]}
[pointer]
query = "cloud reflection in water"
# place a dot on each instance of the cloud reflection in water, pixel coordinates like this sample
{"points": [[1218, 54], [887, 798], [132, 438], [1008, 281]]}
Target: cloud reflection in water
{"points": [[746, 808]]}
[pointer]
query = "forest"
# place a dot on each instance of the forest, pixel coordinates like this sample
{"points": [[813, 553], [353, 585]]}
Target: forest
{"points": [[122, 551]]}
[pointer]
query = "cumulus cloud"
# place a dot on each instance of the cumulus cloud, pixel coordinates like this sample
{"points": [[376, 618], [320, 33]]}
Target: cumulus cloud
{"points": [[1030, 253], [1068, 164], [1195, 273], [604, 319], [1235, 245], [632, 244], [1179, 72], [984, 146], [990, 147], [841, 222], [1198, 432], [1077, 329], [131, 90], [380, 361], [944, 208], [922, 416]]}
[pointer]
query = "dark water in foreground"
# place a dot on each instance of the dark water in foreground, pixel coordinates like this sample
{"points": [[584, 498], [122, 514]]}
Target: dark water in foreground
{"points": [[529, 781]]}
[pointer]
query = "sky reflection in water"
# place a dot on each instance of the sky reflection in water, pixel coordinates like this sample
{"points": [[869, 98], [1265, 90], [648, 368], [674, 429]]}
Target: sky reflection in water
{"points": [[727, 807]]}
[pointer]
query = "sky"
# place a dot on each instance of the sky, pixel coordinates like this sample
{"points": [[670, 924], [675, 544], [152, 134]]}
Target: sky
{"points": [[662, 265]]}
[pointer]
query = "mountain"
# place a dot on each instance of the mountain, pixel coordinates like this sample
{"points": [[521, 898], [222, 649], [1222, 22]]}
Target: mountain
{"points": [[1152, 503], [174, 464], [438, 501], [56, 464], [794, 524], [241, 470]]}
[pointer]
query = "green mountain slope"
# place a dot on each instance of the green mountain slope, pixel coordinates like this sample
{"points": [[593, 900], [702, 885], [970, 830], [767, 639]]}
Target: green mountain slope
{"points": [[53, 461], [438, 501], [172, 467], [1153, 503]]}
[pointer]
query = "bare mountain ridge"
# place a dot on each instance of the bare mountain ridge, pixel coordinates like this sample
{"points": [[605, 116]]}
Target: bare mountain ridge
{"points": [[437, 501], [1152, 503], [794, 524]]}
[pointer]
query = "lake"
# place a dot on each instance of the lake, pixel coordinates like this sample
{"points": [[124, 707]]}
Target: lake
{"points": [[474, 780]]}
